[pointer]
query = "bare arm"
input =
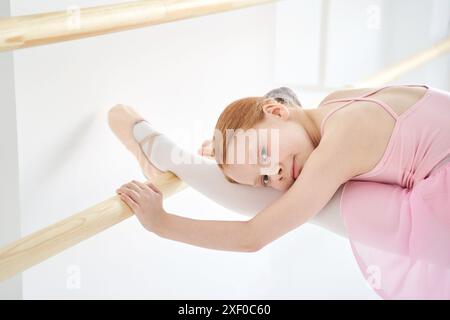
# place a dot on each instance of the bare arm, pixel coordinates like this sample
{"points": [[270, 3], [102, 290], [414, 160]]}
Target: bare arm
{"points": [[212, 234], [323, 174]]}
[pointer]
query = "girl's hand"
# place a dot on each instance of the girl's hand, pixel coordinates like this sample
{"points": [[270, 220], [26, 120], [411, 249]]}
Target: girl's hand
{"points": [[146, 202], [207, 149]]}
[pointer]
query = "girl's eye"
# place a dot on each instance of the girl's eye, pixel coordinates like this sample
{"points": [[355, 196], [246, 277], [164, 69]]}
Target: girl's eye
{"points": [[265, 179], [264, 154]]}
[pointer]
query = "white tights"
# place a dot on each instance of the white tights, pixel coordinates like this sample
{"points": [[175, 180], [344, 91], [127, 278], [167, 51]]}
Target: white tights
{"points": [[205, 176]]}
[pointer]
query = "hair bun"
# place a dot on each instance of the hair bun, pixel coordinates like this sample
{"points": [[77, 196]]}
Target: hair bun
{"points": [[283, 95]]}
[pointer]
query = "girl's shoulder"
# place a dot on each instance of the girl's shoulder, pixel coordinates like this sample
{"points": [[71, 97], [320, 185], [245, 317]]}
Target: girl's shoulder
{"points": [[345, 93], [364, 128], [352, 130]]}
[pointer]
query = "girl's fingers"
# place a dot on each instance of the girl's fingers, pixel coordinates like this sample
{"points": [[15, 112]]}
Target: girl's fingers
{"points": [[130, 185], [133, 186], [154, 188], [141, 185], [130, 202], [129, 192], [207, 148]]}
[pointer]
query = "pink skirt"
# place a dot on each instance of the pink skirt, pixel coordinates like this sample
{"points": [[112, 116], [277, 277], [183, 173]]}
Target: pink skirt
{"points": [[401, 237]]}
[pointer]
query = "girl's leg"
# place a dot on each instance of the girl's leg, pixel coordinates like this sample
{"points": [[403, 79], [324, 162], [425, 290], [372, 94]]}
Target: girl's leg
{"points": [[205, 176]]}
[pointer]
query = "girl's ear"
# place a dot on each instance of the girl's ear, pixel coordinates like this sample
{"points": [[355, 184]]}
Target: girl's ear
{"points": [[276, 110]]}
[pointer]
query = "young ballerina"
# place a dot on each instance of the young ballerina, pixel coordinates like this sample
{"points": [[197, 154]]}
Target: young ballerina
{"points": [[203, 174], [390, 146]]}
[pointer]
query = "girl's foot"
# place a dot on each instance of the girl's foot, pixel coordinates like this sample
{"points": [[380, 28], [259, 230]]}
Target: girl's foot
{"points": [[124, 121]]}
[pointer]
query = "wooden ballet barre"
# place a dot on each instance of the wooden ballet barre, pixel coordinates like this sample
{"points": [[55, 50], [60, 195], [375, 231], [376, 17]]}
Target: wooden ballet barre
{"points": [[45, 243], [39, 246], [75, 23], [393, 72]]}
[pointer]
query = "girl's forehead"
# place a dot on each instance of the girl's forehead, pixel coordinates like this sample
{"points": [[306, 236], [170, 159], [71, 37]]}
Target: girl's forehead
{"points": [[255, 135]]}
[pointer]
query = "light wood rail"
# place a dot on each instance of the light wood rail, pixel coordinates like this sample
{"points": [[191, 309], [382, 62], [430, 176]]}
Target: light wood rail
{"points": [[75, 23]]}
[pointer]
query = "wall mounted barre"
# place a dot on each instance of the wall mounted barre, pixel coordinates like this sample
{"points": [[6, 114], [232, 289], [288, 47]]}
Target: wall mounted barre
{"points": [[393, 72], [43, 244], [45, 28]]}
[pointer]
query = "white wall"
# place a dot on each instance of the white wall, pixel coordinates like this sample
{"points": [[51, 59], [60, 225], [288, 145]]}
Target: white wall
{"points": [[412, 26], [180, 76], [324, 45], [9, 172]]}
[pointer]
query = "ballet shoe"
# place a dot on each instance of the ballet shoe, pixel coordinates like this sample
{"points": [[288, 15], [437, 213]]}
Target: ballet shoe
{"points": [[121, 120]]}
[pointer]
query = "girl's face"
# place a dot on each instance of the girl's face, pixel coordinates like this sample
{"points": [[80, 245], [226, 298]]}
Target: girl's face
{"points": [[273, 152]]}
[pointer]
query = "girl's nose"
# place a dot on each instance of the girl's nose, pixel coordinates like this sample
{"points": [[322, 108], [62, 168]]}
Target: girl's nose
{"points": [[280, 173], [279, 180]]}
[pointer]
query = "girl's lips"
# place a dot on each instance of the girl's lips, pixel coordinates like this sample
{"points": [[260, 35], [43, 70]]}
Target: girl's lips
{"points": [[295, 171], [293, 168]]}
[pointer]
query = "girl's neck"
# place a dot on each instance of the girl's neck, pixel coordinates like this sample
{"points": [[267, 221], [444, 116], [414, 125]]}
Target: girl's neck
{"points": [[310, 121]]}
